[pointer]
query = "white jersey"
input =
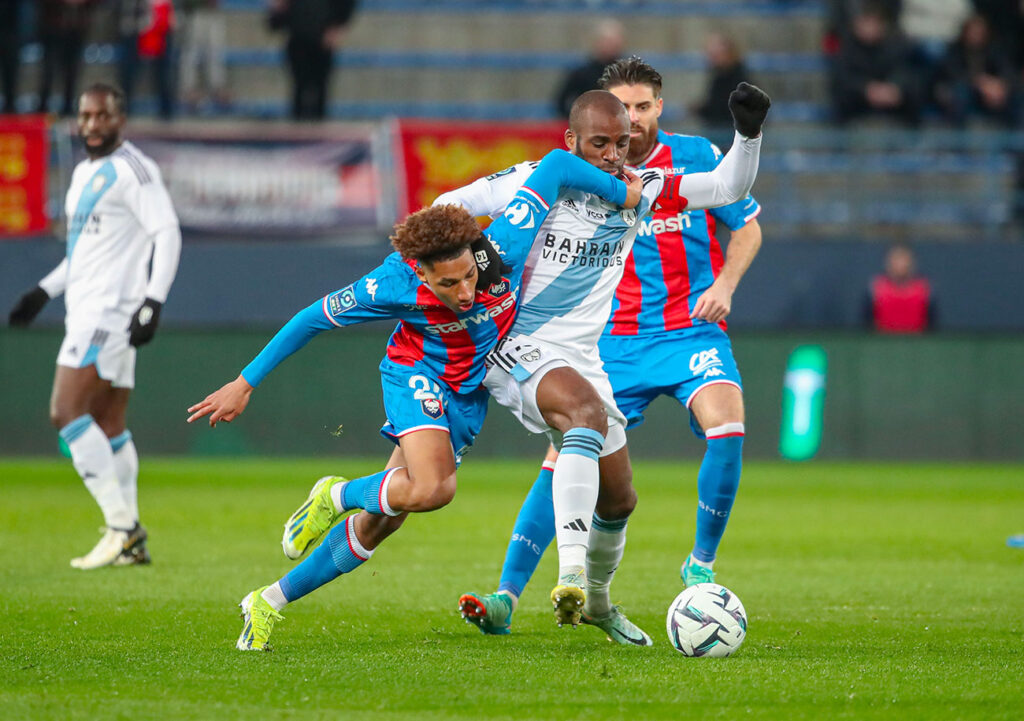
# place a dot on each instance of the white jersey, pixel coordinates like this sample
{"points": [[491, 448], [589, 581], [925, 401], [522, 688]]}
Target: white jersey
{"points": [[115, 206], [580, 252], [576, 261]]}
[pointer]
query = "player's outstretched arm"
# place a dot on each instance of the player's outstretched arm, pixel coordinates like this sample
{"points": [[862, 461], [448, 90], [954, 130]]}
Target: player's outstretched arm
{"points": [[561, 169], [225, 404], [734, 176]]}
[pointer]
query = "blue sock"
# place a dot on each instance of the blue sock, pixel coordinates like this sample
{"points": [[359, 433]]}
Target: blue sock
{"points": [[339, 553], [717, 482], [532, 533], [369, 493]]}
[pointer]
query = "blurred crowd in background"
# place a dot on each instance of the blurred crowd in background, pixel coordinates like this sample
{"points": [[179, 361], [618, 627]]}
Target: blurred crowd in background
{"points": [[912, 61]]}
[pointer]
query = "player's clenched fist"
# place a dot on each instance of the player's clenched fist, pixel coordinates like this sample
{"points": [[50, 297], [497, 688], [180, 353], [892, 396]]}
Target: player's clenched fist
{"points": [[749, 107]]}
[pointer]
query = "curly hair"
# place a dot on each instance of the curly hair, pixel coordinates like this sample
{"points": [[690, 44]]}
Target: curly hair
{"points": [[630, 71], [440, 232]]}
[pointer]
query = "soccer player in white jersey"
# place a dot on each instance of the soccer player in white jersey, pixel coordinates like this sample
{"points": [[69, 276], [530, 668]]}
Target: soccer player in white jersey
{"points": [[120, 218], [547, 371]]}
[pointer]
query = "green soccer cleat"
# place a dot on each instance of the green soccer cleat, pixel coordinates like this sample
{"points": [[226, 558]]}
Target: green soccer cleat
{"points": [[568, 597], [492, 613], [619, 628], [312, 520], [258, 619], [693, 573]]}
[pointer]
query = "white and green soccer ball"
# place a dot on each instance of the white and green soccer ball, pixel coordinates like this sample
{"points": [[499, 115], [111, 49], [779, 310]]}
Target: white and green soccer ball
{"points": [[706, 620]]}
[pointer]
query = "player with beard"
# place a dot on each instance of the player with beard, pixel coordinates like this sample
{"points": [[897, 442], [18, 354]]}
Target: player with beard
{"points": [[665, 336], [119, 217], [548, 371]]}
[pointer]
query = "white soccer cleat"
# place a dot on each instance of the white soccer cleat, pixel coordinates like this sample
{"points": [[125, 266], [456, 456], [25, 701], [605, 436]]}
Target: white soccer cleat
{"points": [[104, 553]]}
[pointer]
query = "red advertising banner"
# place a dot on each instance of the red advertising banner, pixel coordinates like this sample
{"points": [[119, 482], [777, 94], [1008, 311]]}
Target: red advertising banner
{"points": [[24, 157], [438, 157]]}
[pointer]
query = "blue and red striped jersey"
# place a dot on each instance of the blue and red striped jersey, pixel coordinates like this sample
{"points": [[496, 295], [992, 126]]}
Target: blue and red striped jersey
{"points": [[448, 346], [675, 256]]}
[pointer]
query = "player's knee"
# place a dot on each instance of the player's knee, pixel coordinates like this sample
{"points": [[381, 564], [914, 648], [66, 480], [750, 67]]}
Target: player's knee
{"points": [[61, 415], [591, 414], [431, 492], [617, 505]]}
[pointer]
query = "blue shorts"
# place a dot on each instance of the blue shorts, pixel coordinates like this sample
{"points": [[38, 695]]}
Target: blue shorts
{"points": [[415, 401], [676, 363]]}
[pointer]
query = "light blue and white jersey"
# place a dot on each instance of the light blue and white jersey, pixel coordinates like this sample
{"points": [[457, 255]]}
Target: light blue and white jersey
{"points": [[115, 205], [576, 260]]}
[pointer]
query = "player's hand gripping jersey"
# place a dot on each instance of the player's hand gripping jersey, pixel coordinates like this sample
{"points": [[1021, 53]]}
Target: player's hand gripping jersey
{"points": [[675, 256], [580, 250], [430, 337], [119, 215]]}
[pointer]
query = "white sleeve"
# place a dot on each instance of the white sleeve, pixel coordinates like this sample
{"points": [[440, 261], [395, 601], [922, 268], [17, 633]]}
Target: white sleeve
{"points": [[166, 251], [151, 205], [150, 202], [490, 195], [730, 181], [56, 281]]}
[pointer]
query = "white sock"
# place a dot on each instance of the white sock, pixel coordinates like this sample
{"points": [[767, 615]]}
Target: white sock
{"points": [[574, 488], [703, 564], [511, 597], [607, 544], [275, 596], [94, 460], [336, 495], [126, 462]]}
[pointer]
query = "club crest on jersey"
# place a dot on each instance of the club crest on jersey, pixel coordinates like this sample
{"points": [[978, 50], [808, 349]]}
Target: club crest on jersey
{"points": [[341, 301], [628, 216], [498, 289], [432, 408], [706, 362], [97, 183], [520, 215]]}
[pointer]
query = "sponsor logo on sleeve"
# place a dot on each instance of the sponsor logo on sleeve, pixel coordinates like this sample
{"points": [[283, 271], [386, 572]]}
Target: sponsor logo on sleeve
{"points": [[341, 301]]}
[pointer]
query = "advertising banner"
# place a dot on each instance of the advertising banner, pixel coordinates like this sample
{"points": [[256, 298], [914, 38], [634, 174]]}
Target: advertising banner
{"points": [[437, 157], [281, 183], [24, 158]]}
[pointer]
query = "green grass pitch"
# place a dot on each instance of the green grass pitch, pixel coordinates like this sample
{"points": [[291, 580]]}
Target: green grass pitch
{"points": [[873, 591]]}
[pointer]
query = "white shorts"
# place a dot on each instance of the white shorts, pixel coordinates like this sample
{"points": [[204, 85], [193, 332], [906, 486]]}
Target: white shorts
{"points": [[108, 350], [518, 364]]}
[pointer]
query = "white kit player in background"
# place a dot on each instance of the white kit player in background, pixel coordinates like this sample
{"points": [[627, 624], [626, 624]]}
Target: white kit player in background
{"points": [[120, 218], [547, 370]]}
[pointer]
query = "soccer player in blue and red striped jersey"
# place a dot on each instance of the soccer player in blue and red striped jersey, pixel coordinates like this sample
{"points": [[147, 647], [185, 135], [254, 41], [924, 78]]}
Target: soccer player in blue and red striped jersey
{"points": [[449, 319], [665, 336]]}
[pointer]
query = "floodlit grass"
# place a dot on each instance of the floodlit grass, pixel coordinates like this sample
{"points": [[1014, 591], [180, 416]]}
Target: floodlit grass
{"points": [[873, 591]]}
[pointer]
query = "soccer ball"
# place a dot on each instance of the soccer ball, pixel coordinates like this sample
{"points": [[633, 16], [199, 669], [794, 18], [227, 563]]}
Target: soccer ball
{"points": [[706, 620]]}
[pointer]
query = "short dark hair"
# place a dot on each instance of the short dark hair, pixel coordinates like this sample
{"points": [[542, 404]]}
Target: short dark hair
{"points": [[108, 89], [439, 232], [631, 71], [599, 100]]}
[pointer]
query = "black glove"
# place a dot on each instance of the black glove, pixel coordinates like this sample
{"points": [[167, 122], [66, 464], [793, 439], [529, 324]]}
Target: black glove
{"points": [[489, 266], [749, 107], [28, 307], [143, 325]]}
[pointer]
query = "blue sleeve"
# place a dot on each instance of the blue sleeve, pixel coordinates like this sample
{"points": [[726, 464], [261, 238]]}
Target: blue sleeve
{"points": [[303, 326], [560, 169], [514, 232], [369, 298]]}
